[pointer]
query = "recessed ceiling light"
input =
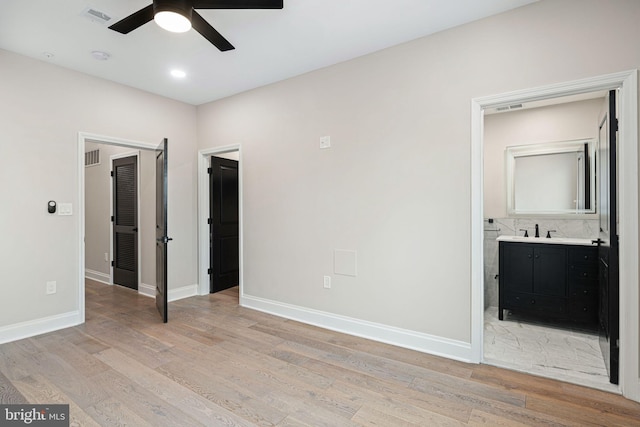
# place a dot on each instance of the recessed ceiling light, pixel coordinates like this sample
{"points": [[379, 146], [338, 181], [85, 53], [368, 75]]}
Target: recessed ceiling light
{"points": [[100, 55], [178, 74]]}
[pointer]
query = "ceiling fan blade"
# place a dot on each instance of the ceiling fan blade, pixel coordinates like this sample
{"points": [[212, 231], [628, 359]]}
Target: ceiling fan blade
{"points": [[238, 4], [208, 32], [134, 20]]}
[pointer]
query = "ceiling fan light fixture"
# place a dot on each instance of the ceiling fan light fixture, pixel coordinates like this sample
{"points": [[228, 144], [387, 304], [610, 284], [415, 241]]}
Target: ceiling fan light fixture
{"points": [[172, 21], [173, 15]]}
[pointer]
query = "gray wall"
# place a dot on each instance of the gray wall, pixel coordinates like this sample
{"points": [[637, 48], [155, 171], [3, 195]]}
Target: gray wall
{"points": [[408, 216], [42, 110]]}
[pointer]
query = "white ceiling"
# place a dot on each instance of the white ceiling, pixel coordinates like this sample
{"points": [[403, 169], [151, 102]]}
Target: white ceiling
{"points": [[271, 45]]}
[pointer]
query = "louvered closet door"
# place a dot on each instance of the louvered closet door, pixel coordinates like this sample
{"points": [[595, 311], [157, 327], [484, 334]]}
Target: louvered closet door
{"points": [[125, 222]]}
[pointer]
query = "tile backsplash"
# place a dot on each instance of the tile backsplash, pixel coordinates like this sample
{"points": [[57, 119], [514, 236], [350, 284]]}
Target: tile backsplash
{"points": [[579, 228]]}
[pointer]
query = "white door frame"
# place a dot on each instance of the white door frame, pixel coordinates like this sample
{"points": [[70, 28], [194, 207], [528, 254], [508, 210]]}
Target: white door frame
{"points": [[627, 82], [84, 137], [203, 215]]}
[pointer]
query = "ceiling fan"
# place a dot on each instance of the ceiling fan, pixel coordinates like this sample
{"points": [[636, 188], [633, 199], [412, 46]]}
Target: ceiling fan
{"points": [[179, 16]]}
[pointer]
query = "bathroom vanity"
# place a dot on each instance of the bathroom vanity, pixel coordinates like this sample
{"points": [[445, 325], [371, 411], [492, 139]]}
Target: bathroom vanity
{"points": [[549, 277]]}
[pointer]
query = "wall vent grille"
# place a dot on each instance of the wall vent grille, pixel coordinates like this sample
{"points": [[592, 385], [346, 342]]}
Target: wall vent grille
{"points": [[92, 158]]}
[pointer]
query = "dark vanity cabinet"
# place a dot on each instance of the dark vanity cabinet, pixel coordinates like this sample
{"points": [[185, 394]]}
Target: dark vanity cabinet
{"points": [[550, 280]]}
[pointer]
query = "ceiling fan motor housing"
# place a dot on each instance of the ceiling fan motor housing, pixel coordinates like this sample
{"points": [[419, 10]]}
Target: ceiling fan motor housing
{"points": [[182, 7]]}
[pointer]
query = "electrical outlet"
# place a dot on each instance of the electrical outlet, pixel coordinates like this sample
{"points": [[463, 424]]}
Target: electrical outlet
{"points": [[106, 257], [327, 282], [51, 287]]}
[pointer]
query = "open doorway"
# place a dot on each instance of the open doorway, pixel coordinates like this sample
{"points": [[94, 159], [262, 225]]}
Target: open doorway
{"points": [[545, 155], [626, 82], [119, 217], [148, 211], [220, 270]]}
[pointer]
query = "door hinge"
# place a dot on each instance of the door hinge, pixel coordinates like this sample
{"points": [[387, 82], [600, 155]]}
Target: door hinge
{"points": [[209, 221], [111, 174], [210, 271], [209, 171], [615, 125], [112, 218], [113, 263]]}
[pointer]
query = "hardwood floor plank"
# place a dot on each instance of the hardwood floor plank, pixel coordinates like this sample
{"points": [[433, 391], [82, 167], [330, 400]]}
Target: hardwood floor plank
{"points": [[9, 394], [216, 363], [38, 389], [176, 396], [370, 415], [113, 412], [224, 392]]}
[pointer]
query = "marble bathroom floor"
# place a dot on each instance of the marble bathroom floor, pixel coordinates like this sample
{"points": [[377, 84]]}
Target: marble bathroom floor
{"points": [[568, 354]]}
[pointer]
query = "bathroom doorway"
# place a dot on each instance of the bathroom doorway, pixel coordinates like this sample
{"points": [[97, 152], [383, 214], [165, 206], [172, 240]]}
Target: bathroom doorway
{"points": [[627, 82], [546, 132]]}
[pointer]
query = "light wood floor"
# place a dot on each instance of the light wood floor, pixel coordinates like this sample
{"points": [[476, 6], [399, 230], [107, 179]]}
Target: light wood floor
{"points": [[215, 363]]}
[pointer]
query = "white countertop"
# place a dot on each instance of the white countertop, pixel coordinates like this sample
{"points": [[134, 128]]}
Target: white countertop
{"points": [[549, 241]]}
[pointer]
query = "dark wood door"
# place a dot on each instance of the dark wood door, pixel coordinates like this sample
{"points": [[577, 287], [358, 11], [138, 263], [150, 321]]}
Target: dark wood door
{"points": [[161, 231], [124, 174], [609, 296], [224, 237]]}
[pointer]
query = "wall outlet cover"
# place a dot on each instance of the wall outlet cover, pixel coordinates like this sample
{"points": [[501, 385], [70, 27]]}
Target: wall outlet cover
{"points": [[51, 287], [327, 282]]}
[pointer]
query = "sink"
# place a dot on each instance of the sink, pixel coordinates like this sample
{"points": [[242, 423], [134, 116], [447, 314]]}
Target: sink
{"points": [[550, 241]]}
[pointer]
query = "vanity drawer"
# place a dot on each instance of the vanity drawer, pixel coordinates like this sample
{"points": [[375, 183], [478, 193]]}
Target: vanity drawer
{"points": [[583, 255], [584, 290], [584, 309], [583, 272], [556, 305]]}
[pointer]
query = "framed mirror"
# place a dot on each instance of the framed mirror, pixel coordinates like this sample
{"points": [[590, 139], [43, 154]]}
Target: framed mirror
{"points": [[552, 178]]}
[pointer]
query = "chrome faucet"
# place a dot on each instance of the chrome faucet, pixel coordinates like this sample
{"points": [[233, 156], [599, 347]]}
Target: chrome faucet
{"points": [[537, 231]]}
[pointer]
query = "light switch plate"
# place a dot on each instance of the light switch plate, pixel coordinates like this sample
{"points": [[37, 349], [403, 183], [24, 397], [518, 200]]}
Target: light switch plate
{"points": [[65, 209], [325, 142]]}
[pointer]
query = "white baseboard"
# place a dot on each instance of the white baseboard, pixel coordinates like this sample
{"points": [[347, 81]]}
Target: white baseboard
{"points": [[34, 327], [418, 341], [174, 294], [97, 276], [183, 292], [147, 290]]}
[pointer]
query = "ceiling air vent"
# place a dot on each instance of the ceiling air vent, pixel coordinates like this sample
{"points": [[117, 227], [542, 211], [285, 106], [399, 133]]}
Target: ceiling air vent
{"points": [[96, 15], [92, 158]]}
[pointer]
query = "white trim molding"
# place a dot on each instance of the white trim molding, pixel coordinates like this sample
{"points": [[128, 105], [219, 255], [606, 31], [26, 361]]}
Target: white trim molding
{"points": [[181, 292], [424, 343], [35, 327], [627, 83], [97, 276], [147, 290]]}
